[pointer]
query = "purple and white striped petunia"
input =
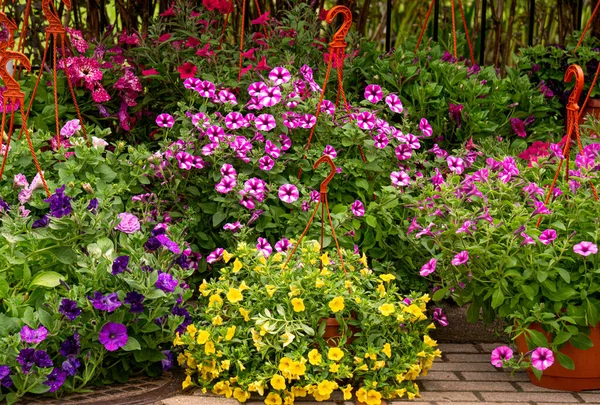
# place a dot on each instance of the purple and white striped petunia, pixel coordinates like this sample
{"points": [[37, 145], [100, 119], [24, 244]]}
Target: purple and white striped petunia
{"points": [[266, 163], [228, 170], [215, 133], [358, 208], [288, 193], [548, 236], [269, 96], [233, 226], [425, 127], [403, 152], [455, 164], [394, 103], [373, 93], [330, 151], [186, 161], [428, 268], [380, 141], [265, 122], [286, 142], [279, 75], [263, 246], [283, 245], [307, 121], [191, 83], [272, 150], [400, 179], [327, 107], [412, 141], [200, 120], [255, 88], [205, 89], [226, 185], [215, 255], [227, 97], [365, 120], [165, 120], [234, 120]]}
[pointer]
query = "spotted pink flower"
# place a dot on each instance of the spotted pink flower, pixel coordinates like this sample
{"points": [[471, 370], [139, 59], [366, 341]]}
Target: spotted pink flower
{"points": [[394, 103], [165, 120], [425, 127], [403, 152], [265, 122], [269, 96], [358, 208], [365, 120], [500, 355], [542, 358], [279, 75], [460, 258], [428, 268], [373, 93], [266, 163], [400, 179], [585, 248], [288, 193]]}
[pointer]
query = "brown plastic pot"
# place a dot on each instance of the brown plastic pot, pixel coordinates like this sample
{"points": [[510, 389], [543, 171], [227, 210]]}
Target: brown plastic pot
{"points": [[333, 333], [585, 376], [592, 107]]}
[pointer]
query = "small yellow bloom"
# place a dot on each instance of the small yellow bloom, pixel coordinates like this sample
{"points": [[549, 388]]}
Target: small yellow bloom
{"points": [[336, 304], [319, 283], [181, 359], [387, 350], [262, 260], [325, 259], [177, 341], [316, 246], [373, 398], [204, 288], [273, 399], [215, 300], [314, 357], [334, 368], [271, 289], [363, 260], [347, 392], [387, 277], [287, 338], [278, 382], [209, 348], [234, 295], [237, 265], [299, 392], [429, 341], [225, 364], [191, 329], [363, 367], [230, 332], [297, 368], [348, 284], [227, 256], [361, 395], [217, 320], [294, 291], [241, 395], [425, 298], [187, 382], [203, 337], [411, 395], [379, 364], [381, 290], [245, 313], [335, 354], [387, 309], [285, 364], [243, 286], [277, 257], [325, 388], [298, 304]]}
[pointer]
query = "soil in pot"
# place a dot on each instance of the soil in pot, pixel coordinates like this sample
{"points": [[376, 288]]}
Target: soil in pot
{"points": [[585, 376]]}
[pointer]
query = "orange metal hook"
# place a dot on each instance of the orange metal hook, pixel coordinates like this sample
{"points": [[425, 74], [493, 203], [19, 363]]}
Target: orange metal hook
{"points": [[340, 35], [11, 26], [325, 183], [574, 71], [55, 25]]}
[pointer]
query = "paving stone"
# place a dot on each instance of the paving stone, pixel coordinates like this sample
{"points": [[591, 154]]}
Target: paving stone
{"points": [[457, 348], [488, 347], [444, 397], [493, 376], [468, 358], [593, 398], [439, 375], [556, 397], [467, 386], [529, 387], [197, 400], [447, 366]]}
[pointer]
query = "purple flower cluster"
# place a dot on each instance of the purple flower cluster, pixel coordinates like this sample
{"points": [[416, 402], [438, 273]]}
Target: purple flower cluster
{"points": [[60, 204]]}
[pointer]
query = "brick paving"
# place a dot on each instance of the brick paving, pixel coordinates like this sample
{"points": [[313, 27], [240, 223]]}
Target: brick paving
{"points": [[463, 376]]}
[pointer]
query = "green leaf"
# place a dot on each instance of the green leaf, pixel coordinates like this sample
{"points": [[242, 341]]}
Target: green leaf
{"points": [[371, 221], [565, 275], [39, 389], [440, 294], [49, 279], [497, 297], [528, 291], [537, 338], [581, 341], [106, 173], [562, 294], [132, 344], [537, 373], [565, 360], [155, 294], [472, 312], [218, 218], [362, 183], [4, 288], [541, 276], [560, 338], [45, 318], [65, 254]]}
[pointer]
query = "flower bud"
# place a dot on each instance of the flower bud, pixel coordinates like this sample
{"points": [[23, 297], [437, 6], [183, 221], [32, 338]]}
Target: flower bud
{"points": [[120, 145], [87, 188]]}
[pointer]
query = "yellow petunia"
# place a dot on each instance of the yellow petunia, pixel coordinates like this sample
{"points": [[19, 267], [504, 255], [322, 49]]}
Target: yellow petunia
{"points": [[241, 395], [319, 283], [209, 348], [425, 298], [387, 350], [298, 304], [278, 382], [326, 387], [217, 320], [203, 337], [243, 286], [277, 257], [273, 399], [299, 392], [204, 288], [373, 398], [187, 382], [347, 392], [287, 338], [336, 304], [285, 364], [230, 332], [245, 313], [215, 300], [297, 368], [363, 260], [361, 395], [381, 290], [429, 341], [262, 260], [325, 259], [314, 357], [237, 265], [271, 289], [227, 256], [334, 368], [234, 295], [335, 354], [387, 309], [177, 341], [387, 277], [191, 329]]}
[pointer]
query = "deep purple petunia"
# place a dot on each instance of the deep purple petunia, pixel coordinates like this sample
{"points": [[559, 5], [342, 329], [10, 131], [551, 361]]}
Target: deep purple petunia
{"points": [[152, 244], [5, 379], [4, 206], [71, 365], [120, 265], [69, 309], [166, 282], [167, 362], [70, 346], [25, 359], [108, 302], [33, 336], [168, 243], [60, 204], [55, 379], [113, 336], [135, 299], [41, 359], [43, 222], [93, 205]]}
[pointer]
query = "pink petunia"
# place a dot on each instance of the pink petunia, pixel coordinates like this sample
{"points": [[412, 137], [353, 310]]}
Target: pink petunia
{"points": [[264, 247], [548, 236], [279, 75], [288, 193], [205, 89], [272, 150], [330, 151], [428, 268], [400, 179], [460, 258], [380, 141], [365, 120], [265, 122], [394, 103], [358, 208], [500, 355], [226, 185], [542, 358], [585, 248], [165, 120], [403, 152], [455, 164], [373, 93], [266, 163], [425, 127], [269, 97]]}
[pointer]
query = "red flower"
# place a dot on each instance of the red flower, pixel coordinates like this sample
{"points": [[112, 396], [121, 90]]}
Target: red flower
{"points": [[210, 4], [249, 54], [225, 7], [245, 70], [262, 65], [257, 37], [168, 12], [164, 37], [149, 72], [192, 42], [262, 20], [204, 51], [323, 14], [187, 70], [536, 150]]}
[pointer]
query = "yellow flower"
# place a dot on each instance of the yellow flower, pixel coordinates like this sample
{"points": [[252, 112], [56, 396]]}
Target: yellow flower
{"points": [[234, 295], [243, 286], [191, 329], [319, 283], [425, 298], [230, 333], [285, 364], [271, 289], [294, 291], [316, 246], [298, 304], [277, 257], [225, 364], [204, 288], [411, 395], [326, 387], [245, 313], [299, 392], [187, 382], [381, 289], [334, 368], [203, 337], [373, 398], [209, 348], [177, 341], [241, 395], [336, 304], [297, 368], [387, 309], [400, 393], [273, 399], [379, 364], [429, 341], [181, 360], [387, 277], [262, 260], [278, 382], [363, 367], [287, 338], [257, 387], [422, 354], [325, 259], [215, 300], [227, 256], [217, 320], [314, 357], [363, 260], [335, 354], [413, 372], [237, 265], [387, 349], [347, 392], [361, 395]]}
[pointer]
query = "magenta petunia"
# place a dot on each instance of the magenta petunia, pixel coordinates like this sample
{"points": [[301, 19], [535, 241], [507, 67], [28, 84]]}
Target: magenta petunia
{"points": [[455, 164], [285, 141], [400, 178], [279, 75], [265, 122], [215, 255], [272, 150], [542, 358], [283, 245], [428, 268], [380, 141], [425, 127], [165, 120], [263, 246], [394, 103], [288, 193], [328, 107], [266, 163], [500, 355], [191, 83], [548, 236], [200, 120], [403, 152], [225, 185], [358, 208], [33, 336], [128, 223], [233, 226], [234, 120], [255, 88], [269, 96], [412, 141], [365, 120], [373, 93], [460, 258], [113, 336], [585, 248], [227, 97], [330, 151]]}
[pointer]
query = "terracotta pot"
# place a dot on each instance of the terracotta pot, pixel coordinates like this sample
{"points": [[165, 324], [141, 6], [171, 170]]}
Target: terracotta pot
{"points": [[333, 333], [586, 375], [592, 107]]}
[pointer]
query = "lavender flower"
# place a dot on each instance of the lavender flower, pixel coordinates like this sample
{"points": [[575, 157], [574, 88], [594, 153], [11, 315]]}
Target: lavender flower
{"points": [[585, 248], [5, 379], [108, 303], [93, 205], [71, 365], [33, 336], [166, 282], [167, 362], [129, 223], [113, 336]]}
